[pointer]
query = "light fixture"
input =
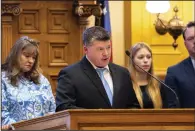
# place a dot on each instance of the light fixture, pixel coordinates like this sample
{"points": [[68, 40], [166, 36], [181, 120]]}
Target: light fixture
{"points": [[174, 26]]}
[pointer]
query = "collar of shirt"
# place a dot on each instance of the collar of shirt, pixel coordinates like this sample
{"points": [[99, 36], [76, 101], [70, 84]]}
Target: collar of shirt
{"points": [[95, 67], [107, 75], [193, 62]]}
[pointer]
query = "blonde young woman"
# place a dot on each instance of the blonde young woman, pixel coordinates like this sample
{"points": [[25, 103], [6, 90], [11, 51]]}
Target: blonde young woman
{"points": [[148, 90]]}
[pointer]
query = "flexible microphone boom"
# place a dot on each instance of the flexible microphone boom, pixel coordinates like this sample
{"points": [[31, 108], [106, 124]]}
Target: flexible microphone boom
{"points": [[128, 54]]}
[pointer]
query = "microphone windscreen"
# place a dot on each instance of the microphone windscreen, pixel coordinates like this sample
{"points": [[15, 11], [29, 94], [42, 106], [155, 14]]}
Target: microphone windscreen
{"points": [[127, 52]]}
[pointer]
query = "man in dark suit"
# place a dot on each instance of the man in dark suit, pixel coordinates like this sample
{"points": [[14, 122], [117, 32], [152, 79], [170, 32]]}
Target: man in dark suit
{"points": [[80, 85], [181, 77]]}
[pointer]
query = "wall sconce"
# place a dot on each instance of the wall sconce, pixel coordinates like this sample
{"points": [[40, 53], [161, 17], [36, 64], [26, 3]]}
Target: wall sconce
{"points": [[174, 26]]}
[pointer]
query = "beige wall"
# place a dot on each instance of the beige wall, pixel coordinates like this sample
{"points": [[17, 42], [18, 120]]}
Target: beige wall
{"points": [[117, 27]]}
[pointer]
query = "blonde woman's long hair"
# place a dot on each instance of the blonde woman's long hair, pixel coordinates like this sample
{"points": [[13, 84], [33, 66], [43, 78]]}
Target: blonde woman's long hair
{"points": [[153, 87]]}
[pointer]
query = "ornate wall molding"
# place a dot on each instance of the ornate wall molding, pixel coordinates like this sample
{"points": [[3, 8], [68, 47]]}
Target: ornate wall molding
{"points": [[84, 11], [8, 10], [88, 10], [11, 9]]}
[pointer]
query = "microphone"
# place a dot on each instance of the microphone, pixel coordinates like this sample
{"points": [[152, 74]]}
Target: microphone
{"points": [[128, 54]]}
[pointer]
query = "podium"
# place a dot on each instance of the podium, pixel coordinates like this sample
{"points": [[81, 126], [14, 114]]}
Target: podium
{"points": [[113, 119]]}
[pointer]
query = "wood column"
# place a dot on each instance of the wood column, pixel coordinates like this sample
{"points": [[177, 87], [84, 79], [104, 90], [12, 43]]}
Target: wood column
{"points": [[8, 11], [83, 12], [6, 36], [83, 23]]}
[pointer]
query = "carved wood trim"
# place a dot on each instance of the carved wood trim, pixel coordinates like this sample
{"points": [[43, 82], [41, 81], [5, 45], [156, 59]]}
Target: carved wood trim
{"points": [[55, 25], [10, 8], [59, 120], [88, 10], [83, 12]]}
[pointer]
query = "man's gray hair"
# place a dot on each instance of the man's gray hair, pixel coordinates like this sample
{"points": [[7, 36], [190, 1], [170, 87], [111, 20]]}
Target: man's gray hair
{"points": [[95, 33]]}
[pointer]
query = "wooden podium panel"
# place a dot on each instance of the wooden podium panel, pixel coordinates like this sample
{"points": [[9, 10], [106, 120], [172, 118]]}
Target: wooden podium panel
{"points": [[57, 121], [164, 119], [114, 119]]}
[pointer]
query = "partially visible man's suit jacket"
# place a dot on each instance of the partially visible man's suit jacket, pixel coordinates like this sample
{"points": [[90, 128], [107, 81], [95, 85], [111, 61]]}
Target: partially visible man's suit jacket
{"points": [[181, 78], [79, 86]]}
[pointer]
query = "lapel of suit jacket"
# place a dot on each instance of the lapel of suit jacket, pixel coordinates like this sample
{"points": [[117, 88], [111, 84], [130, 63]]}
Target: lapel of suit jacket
{"points": [[190, 70], [115, 80], [93, 76]]}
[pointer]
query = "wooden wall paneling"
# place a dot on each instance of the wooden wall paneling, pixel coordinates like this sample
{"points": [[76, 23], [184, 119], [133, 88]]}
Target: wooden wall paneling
{"points": [[6, 36], [29, 21], [53, 81], [58, 20], [55, 24], [8, 11], [58, 54]]}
